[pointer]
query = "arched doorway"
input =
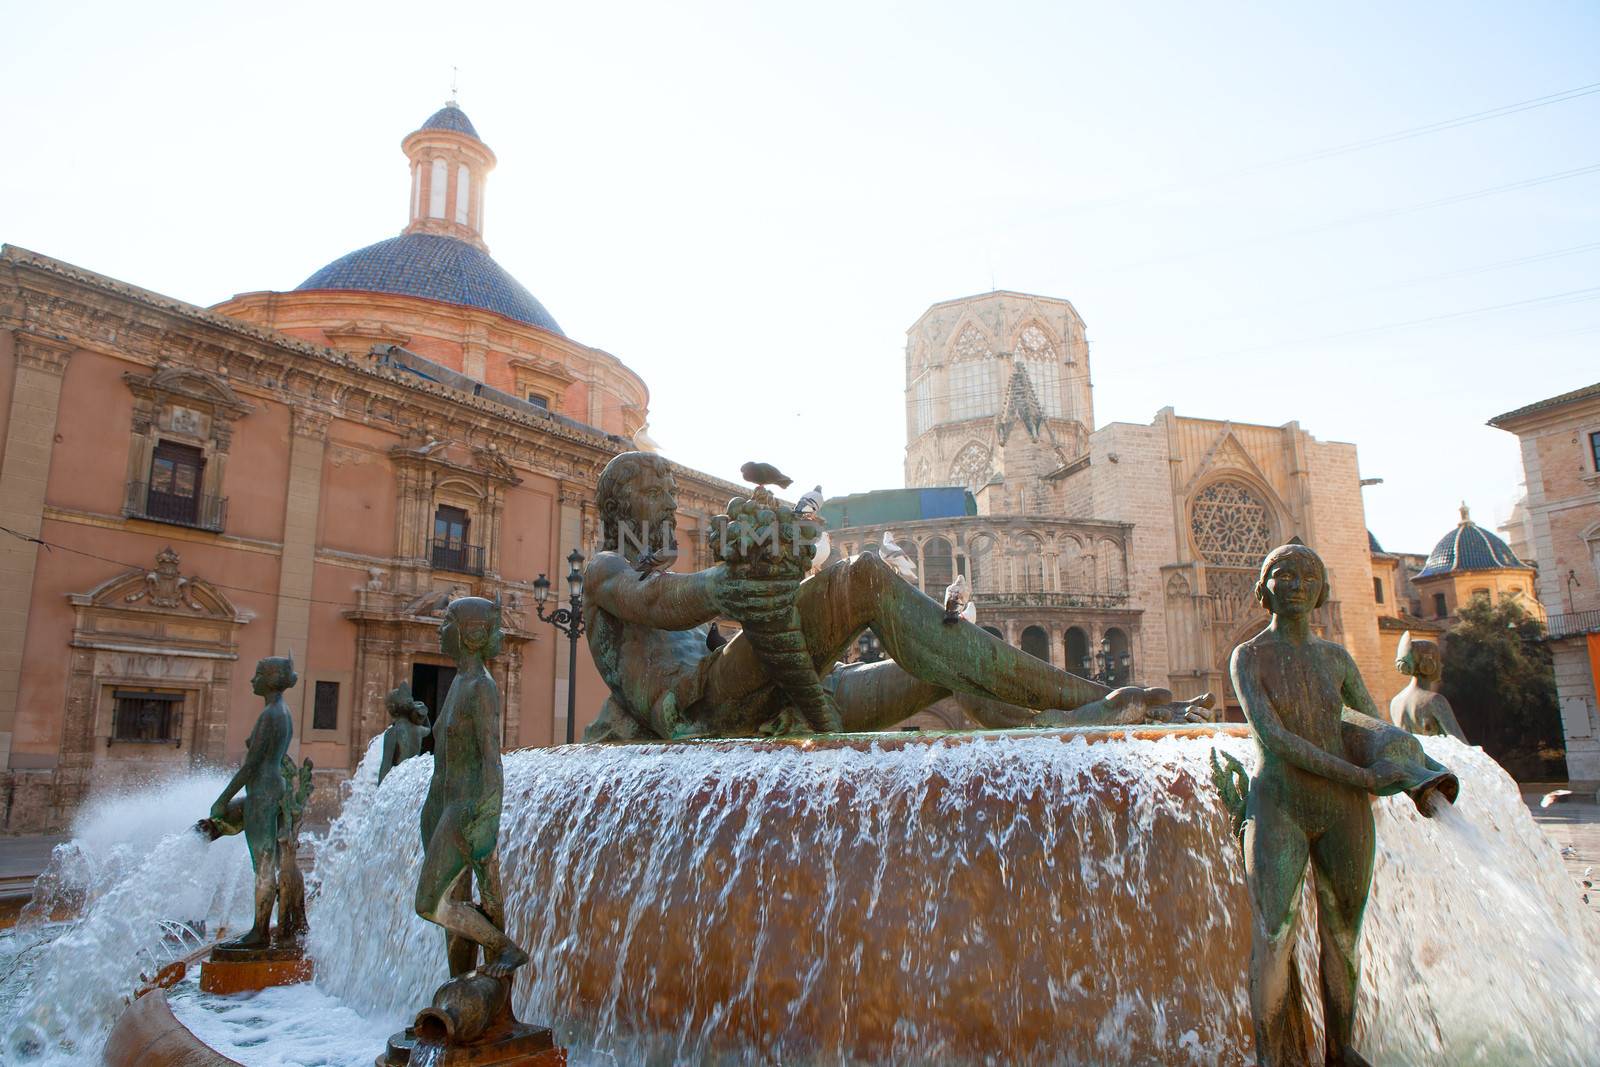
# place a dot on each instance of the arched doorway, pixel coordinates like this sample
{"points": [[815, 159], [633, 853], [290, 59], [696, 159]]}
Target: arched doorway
{"points": [[996, 632], [938, 567], [1036, 643], [1119, 656], [1077, 643]]}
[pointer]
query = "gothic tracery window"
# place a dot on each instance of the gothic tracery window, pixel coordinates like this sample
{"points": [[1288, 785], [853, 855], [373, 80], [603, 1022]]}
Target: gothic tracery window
{"points": [[970, 345], [971, 467], [1033, 344], [1230, 525]]}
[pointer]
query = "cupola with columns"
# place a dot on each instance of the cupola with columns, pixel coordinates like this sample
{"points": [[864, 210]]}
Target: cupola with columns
{"points": [[449, 165]]}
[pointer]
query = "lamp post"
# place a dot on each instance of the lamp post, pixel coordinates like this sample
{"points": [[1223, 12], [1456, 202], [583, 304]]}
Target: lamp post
{"points": [[1105, 668], [569, 620]]}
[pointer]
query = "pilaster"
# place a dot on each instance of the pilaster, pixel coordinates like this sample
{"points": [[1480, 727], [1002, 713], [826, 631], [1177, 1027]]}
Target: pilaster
{"points": [[24, 472], [308, 441]]}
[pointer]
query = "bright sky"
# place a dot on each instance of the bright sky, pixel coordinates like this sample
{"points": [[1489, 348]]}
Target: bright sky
{"points": [[749, 204]]}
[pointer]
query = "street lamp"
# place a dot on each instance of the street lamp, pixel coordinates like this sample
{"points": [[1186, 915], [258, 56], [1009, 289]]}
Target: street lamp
{"points": [[1105, 668], [569, 620]]}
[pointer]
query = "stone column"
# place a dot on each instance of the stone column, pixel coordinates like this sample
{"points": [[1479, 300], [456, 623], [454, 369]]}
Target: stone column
{"points": [[308, 441], [30, 438]]}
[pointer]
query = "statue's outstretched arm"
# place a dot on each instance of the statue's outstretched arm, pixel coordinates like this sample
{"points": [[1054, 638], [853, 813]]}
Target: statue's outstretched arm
{"points": [[1353, 690], [1282, 742], [664, 600]]}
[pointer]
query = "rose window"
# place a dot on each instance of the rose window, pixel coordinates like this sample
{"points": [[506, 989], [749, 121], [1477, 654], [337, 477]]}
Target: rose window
{"points": [[1229, 524]]}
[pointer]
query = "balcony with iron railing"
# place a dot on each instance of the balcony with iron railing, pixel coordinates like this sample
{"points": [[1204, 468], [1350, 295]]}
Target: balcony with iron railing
{"points": [[1573, 623], [457, 556], [201, 511]]}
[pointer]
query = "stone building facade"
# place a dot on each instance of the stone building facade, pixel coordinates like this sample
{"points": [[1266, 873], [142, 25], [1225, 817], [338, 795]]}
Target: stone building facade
{"points": [[998, 399], [1560, 439], [316, 471]]}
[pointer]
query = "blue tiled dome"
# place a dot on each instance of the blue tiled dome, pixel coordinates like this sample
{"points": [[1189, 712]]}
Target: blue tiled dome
{"points": [[450, 117], [1469, 547], [436, 268]]}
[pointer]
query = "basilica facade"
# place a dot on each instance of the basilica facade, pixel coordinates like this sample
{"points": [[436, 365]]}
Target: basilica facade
{"points": [[313, 472]]}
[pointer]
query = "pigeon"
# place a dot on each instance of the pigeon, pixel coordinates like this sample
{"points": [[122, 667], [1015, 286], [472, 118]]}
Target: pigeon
{"points": [[714, 638], [1568, 850], [653, 561], [955, 598], [824, 550], [809, 503], [1555, 796], [896, 557], [970, 613], [764, 474]]}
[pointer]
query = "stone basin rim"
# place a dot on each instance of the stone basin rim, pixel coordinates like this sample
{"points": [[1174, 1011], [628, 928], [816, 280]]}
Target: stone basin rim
{"points": [[889, 740]]}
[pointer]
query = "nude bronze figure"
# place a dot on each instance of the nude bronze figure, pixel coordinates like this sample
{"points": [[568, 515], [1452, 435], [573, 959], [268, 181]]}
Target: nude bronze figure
{"points": [[1310, 804], [259, 812], [461, 815], [407, 729], [647, 633], [1420, 707]]}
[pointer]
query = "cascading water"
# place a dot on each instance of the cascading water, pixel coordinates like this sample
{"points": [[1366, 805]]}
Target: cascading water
{"points": [[965, 899], [979, 898], [133, 868]]}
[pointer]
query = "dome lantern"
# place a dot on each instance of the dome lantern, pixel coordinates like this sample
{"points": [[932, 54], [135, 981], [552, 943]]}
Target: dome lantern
{"points": [[449, 165]]}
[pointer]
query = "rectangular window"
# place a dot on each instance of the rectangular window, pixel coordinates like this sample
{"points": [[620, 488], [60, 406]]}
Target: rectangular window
{"points": [[539, 400], [1594, 450], [1439, 609], [146, 718], [1377, 590], [174, 491], [450, 525], [451, 550], [325, 709]]}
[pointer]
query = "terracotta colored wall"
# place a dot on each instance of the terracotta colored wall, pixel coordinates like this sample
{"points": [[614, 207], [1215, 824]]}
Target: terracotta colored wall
{"points": [[258, 472], [358, 491], [89, 464]]}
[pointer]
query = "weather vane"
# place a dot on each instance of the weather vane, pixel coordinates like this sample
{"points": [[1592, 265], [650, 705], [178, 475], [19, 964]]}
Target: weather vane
{"points": [[454, 74]]}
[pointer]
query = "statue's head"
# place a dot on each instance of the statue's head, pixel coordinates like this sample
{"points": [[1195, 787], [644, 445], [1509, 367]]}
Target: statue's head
{"points": [[1293, 580], [471, 629], [399, 701], [273, 675], [1418, 657], [638, 501]]}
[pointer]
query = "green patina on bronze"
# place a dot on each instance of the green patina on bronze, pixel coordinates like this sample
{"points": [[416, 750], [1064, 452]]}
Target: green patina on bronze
{"points": [[409, 728], [1323, 754], [268, 814], [461, 815], [1420, 707], [647, 631]]}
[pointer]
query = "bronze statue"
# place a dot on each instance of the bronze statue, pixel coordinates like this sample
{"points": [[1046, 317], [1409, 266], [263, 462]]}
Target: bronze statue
{"points": [[648, 635], [297, 786], [461, 816], [1420, 707], [1310, 802], [403, 739], [260, 813]]}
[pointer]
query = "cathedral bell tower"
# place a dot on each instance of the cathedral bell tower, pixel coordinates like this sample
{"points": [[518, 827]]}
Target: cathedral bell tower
{"points": [[449, 165]]}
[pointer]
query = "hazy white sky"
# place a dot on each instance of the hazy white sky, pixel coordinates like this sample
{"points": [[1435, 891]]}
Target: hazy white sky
{"points": [[750, 203]]}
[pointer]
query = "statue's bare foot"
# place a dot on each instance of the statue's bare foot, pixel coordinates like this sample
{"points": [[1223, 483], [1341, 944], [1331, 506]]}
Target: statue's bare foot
{"points": [[502, 965], [253, 939]]}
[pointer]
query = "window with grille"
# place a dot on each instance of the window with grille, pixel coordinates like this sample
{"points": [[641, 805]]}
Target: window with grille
{"points": [[146, 718], [539, 400], [174, 492], [325, 707], [1594, 449], [1439, 608]]}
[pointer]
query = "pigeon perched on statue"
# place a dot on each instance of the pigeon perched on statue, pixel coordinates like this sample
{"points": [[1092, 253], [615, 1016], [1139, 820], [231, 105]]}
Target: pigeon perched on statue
{"points": [[809, 503], [896, 557], [956, 597], [715, 638], [764, 474], [655, 560]]}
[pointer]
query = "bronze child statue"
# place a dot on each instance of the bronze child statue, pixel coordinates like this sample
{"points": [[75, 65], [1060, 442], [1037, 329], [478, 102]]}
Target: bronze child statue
{"points": [[648, 634], [403, 739], [1420, 707], [1310, 802], [461, 816], [260, 812]]}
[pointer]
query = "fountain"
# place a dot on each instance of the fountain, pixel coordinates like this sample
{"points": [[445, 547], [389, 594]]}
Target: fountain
{"points": [[1053, 894]]}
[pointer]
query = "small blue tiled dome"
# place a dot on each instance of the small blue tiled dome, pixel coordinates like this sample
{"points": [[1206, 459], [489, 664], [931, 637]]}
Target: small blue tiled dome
{"points": [[451, 117], [1469, 547], [437, 268]]}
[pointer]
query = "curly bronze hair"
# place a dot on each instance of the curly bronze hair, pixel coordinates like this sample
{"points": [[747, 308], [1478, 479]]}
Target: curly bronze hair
{"points": [[614, 487]]}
